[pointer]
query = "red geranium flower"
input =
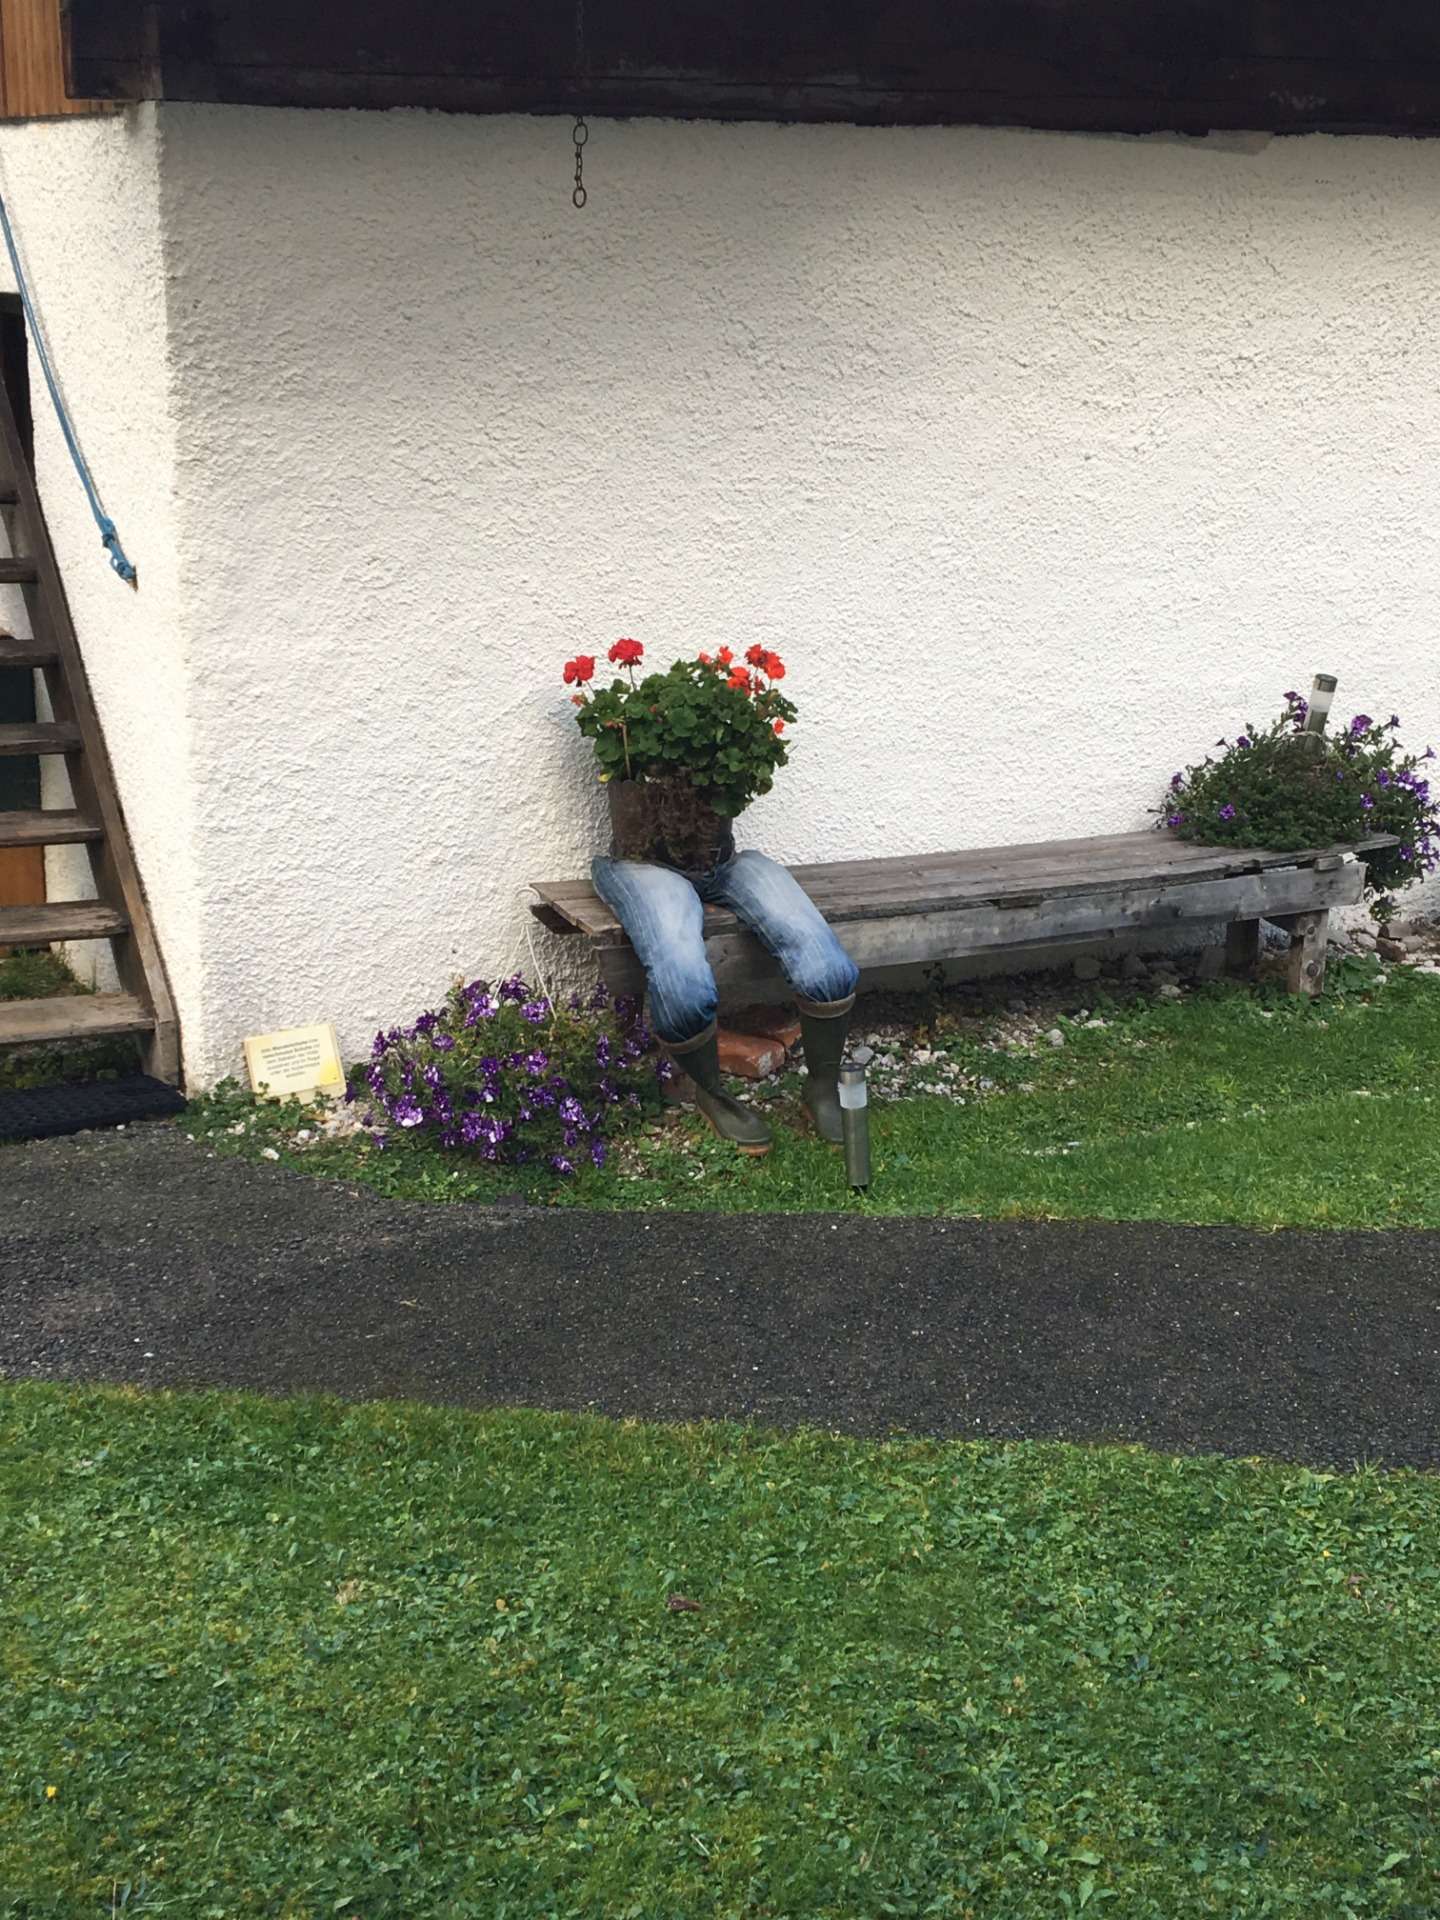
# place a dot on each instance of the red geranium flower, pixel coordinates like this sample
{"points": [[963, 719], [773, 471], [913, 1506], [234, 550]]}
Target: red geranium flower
{"points": [[779, 726], [580, 669], [740, 680], [774, 666], [724, 656], [703, 658], [627, 652], [756, 656]]}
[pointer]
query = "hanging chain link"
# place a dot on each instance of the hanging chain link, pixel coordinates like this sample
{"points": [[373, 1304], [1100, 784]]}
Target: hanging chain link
{"points": [[581, 135]]}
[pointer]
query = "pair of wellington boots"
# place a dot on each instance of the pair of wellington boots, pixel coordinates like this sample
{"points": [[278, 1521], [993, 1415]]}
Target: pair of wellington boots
{"points": [[824, 1028]]}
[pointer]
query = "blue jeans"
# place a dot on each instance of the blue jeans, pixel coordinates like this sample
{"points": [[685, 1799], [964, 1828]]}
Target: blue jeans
{"points": [[664, 914]]}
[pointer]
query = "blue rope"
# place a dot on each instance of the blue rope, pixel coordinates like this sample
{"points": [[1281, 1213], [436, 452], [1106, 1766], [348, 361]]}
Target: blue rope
{"points": [[108, 535]]}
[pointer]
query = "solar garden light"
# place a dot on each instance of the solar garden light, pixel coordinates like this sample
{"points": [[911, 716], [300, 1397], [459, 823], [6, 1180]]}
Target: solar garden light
{"points": [[1322, 693], [855, 1118]]}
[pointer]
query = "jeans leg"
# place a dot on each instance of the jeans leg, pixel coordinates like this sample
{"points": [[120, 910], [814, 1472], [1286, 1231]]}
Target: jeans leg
{"points": [[665, 920], [783, 917]]}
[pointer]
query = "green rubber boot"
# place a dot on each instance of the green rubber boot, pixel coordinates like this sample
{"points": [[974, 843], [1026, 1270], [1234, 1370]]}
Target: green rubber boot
{"points": [[699, 1061], [825, 1030]]}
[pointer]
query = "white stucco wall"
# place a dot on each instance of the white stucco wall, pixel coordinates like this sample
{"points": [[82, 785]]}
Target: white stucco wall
{"points": [[1043, 459], [84, 197]]}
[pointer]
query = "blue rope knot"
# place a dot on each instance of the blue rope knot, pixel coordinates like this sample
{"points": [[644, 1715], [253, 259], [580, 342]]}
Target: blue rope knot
{"points": [[109, 537], [118, 559]]}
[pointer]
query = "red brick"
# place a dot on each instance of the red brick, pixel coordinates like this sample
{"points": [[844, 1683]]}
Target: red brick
{"points": [[748, 1055], [771, 1023]]}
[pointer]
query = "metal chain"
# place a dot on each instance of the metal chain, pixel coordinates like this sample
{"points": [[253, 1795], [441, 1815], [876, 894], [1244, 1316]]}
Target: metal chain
{"points": [[581, 132], [581, 135]]}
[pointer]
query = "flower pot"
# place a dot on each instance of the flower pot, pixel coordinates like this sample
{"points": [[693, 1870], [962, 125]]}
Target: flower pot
{"points": [[669, 823]]}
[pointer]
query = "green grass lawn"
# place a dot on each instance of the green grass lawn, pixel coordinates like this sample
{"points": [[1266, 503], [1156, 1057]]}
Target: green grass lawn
{"points": [[297, 1659], [1230, 1106]]}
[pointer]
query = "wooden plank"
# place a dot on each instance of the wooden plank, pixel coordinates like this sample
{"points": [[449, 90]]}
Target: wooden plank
{"points": [[16, 572], [1149, 848], [1062, 870], [1094, 849], [78, 1016], [1125, 66], [39, 926], [1305, 962], [32, 63], [18, 652], [549, 918], [919, 938], [925, 895], [739, 961], [39, 736], [47, 827], [1146, 851]]}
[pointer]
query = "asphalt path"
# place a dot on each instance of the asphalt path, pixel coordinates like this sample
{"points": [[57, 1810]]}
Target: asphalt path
{"points": [[137, 1257]]}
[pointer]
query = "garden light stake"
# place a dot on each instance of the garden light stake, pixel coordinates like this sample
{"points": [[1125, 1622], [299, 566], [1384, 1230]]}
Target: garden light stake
{"points": [[855, 1119]]}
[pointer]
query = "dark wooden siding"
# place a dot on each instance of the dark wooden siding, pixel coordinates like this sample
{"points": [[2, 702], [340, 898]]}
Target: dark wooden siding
{"points": [[1115, 65]]}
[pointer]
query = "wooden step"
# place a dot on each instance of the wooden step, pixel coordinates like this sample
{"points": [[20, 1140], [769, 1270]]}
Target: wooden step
{"points": [[16, 573], [15, 652], [77, 1016], [35, 736], [59, 920], [47, 827]]}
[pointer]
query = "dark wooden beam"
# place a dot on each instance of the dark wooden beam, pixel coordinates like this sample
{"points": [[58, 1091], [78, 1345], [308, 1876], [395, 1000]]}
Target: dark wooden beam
{"points": [[106, 49], [1130, 66]]}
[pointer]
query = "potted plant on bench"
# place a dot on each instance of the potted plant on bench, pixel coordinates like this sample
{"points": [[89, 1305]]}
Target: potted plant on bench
{"points": [[684, 751]]}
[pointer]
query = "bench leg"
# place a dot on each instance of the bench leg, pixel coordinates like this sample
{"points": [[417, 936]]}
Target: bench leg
{"points": [[1305, 962], [1242, 947], [620, 969]]}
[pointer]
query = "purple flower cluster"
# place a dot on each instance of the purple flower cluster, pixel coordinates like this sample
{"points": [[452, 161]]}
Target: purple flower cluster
{"points": [[505, 1075], [1351, 784], [1405, 805]]}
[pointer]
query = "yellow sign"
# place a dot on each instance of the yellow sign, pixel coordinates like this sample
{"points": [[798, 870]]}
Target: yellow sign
{"points": [[296, 1063]]}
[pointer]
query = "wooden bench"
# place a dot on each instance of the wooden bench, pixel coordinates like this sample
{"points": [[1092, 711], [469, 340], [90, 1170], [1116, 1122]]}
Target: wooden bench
{"points": [[925, 908]]}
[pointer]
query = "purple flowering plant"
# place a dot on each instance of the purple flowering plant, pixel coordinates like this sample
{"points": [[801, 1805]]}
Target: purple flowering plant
{"points": [[505, 1075], [1281, 788]]}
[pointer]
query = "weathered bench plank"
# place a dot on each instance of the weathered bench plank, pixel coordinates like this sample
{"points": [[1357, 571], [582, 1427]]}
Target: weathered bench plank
{"points": [[739, 962], [1047, 871]]}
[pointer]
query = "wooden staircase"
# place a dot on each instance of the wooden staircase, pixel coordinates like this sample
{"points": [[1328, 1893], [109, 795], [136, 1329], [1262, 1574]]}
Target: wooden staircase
{"points": [[119, 913]]}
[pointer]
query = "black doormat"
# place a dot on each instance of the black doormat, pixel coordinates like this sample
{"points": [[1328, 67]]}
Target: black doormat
{"points": [[40, 1113]]}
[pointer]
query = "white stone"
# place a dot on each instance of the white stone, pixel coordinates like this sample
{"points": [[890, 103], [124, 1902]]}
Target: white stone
{"points": [[1055, 1037]]}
